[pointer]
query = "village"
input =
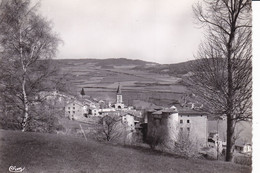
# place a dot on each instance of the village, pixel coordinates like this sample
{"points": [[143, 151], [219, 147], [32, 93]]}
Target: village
{"points": [[127, 86], [155, 124]]}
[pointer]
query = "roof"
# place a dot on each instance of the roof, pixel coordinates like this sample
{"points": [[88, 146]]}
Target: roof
{"points": [[192, 112], [133, 112], [157, 113], [170, 110], [165, 110], [118, 91], [127, 114], [241, 144], [75, 102], [156, 107]]}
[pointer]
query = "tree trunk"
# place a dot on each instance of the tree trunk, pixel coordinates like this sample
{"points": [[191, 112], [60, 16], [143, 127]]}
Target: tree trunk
{"points": [[230, 138], [26, 107], [230, 101], [25, 99]]}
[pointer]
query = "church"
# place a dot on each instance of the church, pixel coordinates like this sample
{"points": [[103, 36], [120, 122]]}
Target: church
{"points": [[119, 98]]}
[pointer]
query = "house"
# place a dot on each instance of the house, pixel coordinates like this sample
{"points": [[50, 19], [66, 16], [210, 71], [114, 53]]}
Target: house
{"points": [[215, 142], [241, 147], [128, 119], [75, 110], [217, 126], [55, 98], [195, 124], [93, 111]]}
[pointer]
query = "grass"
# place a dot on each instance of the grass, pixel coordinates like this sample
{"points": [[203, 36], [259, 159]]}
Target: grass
{"points": [[57, 153]]}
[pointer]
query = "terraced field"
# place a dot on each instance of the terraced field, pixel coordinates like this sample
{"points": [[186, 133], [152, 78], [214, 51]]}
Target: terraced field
{"points": [[102, 81]]}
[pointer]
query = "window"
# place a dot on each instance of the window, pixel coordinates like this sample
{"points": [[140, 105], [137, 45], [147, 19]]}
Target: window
{"points": [[188, 129], [181, 121], [68, 107], [188, 121], [68, 111], [73, 107], [74, 112], [181, 129]]}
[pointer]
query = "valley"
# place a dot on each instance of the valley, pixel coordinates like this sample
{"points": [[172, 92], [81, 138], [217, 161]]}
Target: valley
{"points": [[101, 79]]}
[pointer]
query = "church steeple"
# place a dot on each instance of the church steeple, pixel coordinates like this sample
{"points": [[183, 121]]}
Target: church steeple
{"points": [[119, 92], [119, 97]]}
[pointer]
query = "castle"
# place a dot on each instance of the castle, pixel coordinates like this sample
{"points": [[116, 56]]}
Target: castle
{"points": [[169, 123]]}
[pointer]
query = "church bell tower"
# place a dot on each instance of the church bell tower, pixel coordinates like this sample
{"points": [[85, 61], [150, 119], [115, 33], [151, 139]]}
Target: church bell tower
{"points": [[119, 98]]}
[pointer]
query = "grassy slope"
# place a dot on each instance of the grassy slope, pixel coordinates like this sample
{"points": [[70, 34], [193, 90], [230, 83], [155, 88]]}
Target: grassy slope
{"points": [[51, 153]]}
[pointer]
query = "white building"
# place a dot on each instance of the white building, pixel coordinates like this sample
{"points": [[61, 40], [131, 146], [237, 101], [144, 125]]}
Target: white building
{"points": [[195, 124], [128, 119]]}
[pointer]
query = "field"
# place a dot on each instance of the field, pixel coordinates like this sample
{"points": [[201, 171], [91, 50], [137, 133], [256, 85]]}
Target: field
{"points": [[57, 153], [100, 80]]}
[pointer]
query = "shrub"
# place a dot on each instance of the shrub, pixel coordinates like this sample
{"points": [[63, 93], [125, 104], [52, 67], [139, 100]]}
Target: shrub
{"points": [[186, 147], [156, 138], [43, 119], [242, 160]]}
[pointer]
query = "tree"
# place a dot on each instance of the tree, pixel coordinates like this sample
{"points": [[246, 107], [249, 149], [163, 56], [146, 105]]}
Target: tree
{"points": [[222, 75], [82, 92], [27, 44], [111, 127]]}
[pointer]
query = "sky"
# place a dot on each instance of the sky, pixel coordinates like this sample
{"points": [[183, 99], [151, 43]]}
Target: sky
{"points": [[161, 31]]}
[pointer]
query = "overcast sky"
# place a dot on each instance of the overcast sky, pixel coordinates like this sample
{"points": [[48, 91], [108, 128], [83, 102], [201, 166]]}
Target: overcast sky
{"points": [[161, 31]]}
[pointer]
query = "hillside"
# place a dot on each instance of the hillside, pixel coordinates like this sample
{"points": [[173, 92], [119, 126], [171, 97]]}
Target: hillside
{"points": [[47, 153], [100, 79], [177, 69], [106, 63]]}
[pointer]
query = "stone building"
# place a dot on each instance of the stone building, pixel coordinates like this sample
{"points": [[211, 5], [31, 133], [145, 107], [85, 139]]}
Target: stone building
{"points": [[75, 110], [162, 126], [167, 124], [195, 124]]}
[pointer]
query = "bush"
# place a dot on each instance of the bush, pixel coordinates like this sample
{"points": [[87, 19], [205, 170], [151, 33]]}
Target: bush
{"points": [[43, 119], [242, 160], [10, 123], [156, 139], [11, 120], [186, 147]]}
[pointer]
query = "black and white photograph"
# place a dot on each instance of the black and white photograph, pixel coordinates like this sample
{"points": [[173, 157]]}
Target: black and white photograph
{"points": [[127, 86]]}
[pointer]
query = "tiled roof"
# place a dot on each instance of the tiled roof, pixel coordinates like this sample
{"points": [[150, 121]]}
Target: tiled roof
{"points": [[191, 112], [169, 110]]}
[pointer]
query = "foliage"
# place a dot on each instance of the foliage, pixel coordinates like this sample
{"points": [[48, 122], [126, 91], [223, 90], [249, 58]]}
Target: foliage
{"points": [[82, 92], [243, 160], [44, 118], [111, 128], [186, 147], [157, 138], [27, 44]]}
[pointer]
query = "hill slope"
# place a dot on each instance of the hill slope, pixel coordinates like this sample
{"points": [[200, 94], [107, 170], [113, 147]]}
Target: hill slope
{"points": [[52, 153]]}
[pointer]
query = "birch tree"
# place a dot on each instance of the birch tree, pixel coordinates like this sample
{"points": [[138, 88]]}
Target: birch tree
{"points": [[223, 70], [27, 43]]}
